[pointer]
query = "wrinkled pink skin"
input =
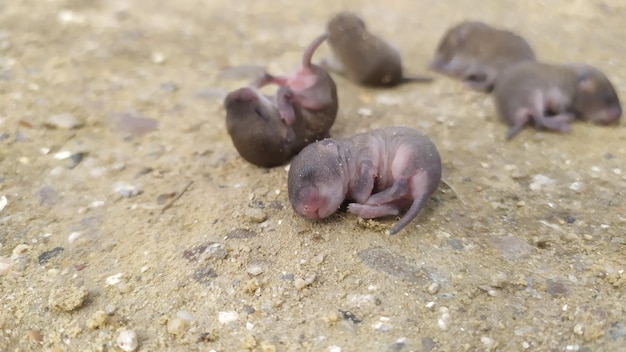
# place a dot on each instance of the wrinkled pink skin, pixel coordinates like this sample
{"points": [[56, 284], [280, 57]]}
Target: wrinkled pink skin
{"points": [[308, 87], [382, 172]]}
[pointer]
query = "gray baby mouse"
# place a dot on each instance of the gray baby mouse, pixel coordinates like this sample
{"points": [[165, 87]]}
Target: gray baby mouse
{"points": [[363, 57], [258, 132], [551, 96], [380, 172], [476, 53], [268, 130]]}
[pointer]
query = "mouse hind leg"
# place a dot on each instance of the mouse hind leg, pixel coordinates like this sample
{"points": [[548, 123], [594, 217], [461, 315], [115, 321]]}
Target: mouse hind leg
{"points": [[554, 115], [398, 190], [529, 112], [373, 211]]}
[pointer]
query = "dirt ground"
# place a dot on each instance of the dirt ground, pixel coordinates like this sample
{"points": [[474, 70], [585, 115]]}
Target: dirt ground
{"points": [[128, 211]]}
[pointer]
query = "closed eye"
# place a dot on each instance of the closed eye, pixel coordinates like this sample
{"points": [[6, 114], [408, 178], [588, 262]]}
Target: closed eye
{"points": [[259, 112]]}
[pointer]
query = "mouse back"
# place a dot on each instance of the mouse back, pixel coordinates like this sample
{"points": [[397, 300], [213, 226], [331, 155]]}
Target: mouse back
{"points": [[366, 58], [256, 129]]}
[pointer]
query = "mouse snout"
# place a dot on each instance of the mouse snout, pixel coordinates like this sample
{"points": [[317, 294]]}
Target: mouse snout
{"points": [[608, 116], [308, 203], [308, 211]]}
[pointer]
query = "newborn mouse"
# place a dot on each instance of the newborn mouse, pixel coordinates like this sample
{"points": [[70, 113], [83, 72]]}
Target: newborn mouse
{"points": [[268, 131], [309, 94], [361, 56], [551, 96], [381, 172], [476, 53], [254, 124]]}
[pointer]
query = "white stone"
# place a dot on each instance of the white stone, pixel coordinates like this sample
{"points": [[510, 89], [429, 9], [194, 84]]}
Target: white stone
{"points": [[114, 279], [227, 317], [127, 340], [3, 202]]}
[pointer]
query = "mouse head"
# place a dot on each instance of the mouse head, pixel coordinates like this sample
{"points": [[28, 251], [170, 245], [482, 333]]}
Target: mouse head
{"points": [[316, 180], [255, 127], [345, 23], [451, 46], [595, 98]]}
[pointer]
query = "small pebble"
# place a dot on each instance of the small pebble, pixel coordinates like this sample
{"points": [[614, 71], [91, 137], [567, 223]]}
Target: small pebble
{"points": [[433, 288], [579, 329], [540, 181], [5, 265], [73, 237], [35, 336], [248, 309], [124, 287], [127, 340], [618, 240], [428, 344], [267, 346], [64, 121], [255, 215], [576, 186], [185, 315], [126, 189], [334, 348], [227, 317], [20, 249], [398, 345], [389, 100], [97, 320], [76, 159], [363, 111], [47, 195], [382, 324], [248, 342], [444, 319], [302, 283], [62, 155], [68, 298], [44, 257], [158, 57], [361, 300], [512, 248], [134, 124], [114, 279], [255, 269], [488, 342], [3, 202], [556, 288], [176, 326]]}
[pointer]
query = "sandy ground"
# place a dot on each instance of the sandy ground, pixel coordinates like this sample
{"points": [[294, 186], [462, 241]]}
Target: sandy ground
{"points": [[112, 108]]}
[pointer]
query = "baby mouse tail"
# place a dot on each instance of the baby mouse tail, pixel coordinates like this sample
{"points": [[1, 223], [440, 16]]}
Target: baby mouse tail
{"points": [[409, 215]]}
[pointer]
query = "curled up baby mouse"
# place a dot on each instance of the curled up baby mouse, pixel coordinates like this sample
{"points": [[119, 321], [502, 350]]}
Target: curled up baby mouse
{"points": [[380, 173]]}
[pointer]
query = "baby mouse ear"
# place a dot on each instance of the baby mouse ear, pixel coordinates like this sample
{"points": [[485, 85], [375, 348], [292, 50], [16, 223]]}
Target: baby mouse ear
{"points": [[586, 83], [584, 77]]}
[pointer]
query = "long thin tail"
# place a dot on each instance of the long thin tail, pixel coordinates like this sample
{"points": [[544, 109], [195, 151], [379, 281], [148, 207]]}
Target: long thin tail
{"points": [[409, 215], [416, 79], [308, 53]]}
